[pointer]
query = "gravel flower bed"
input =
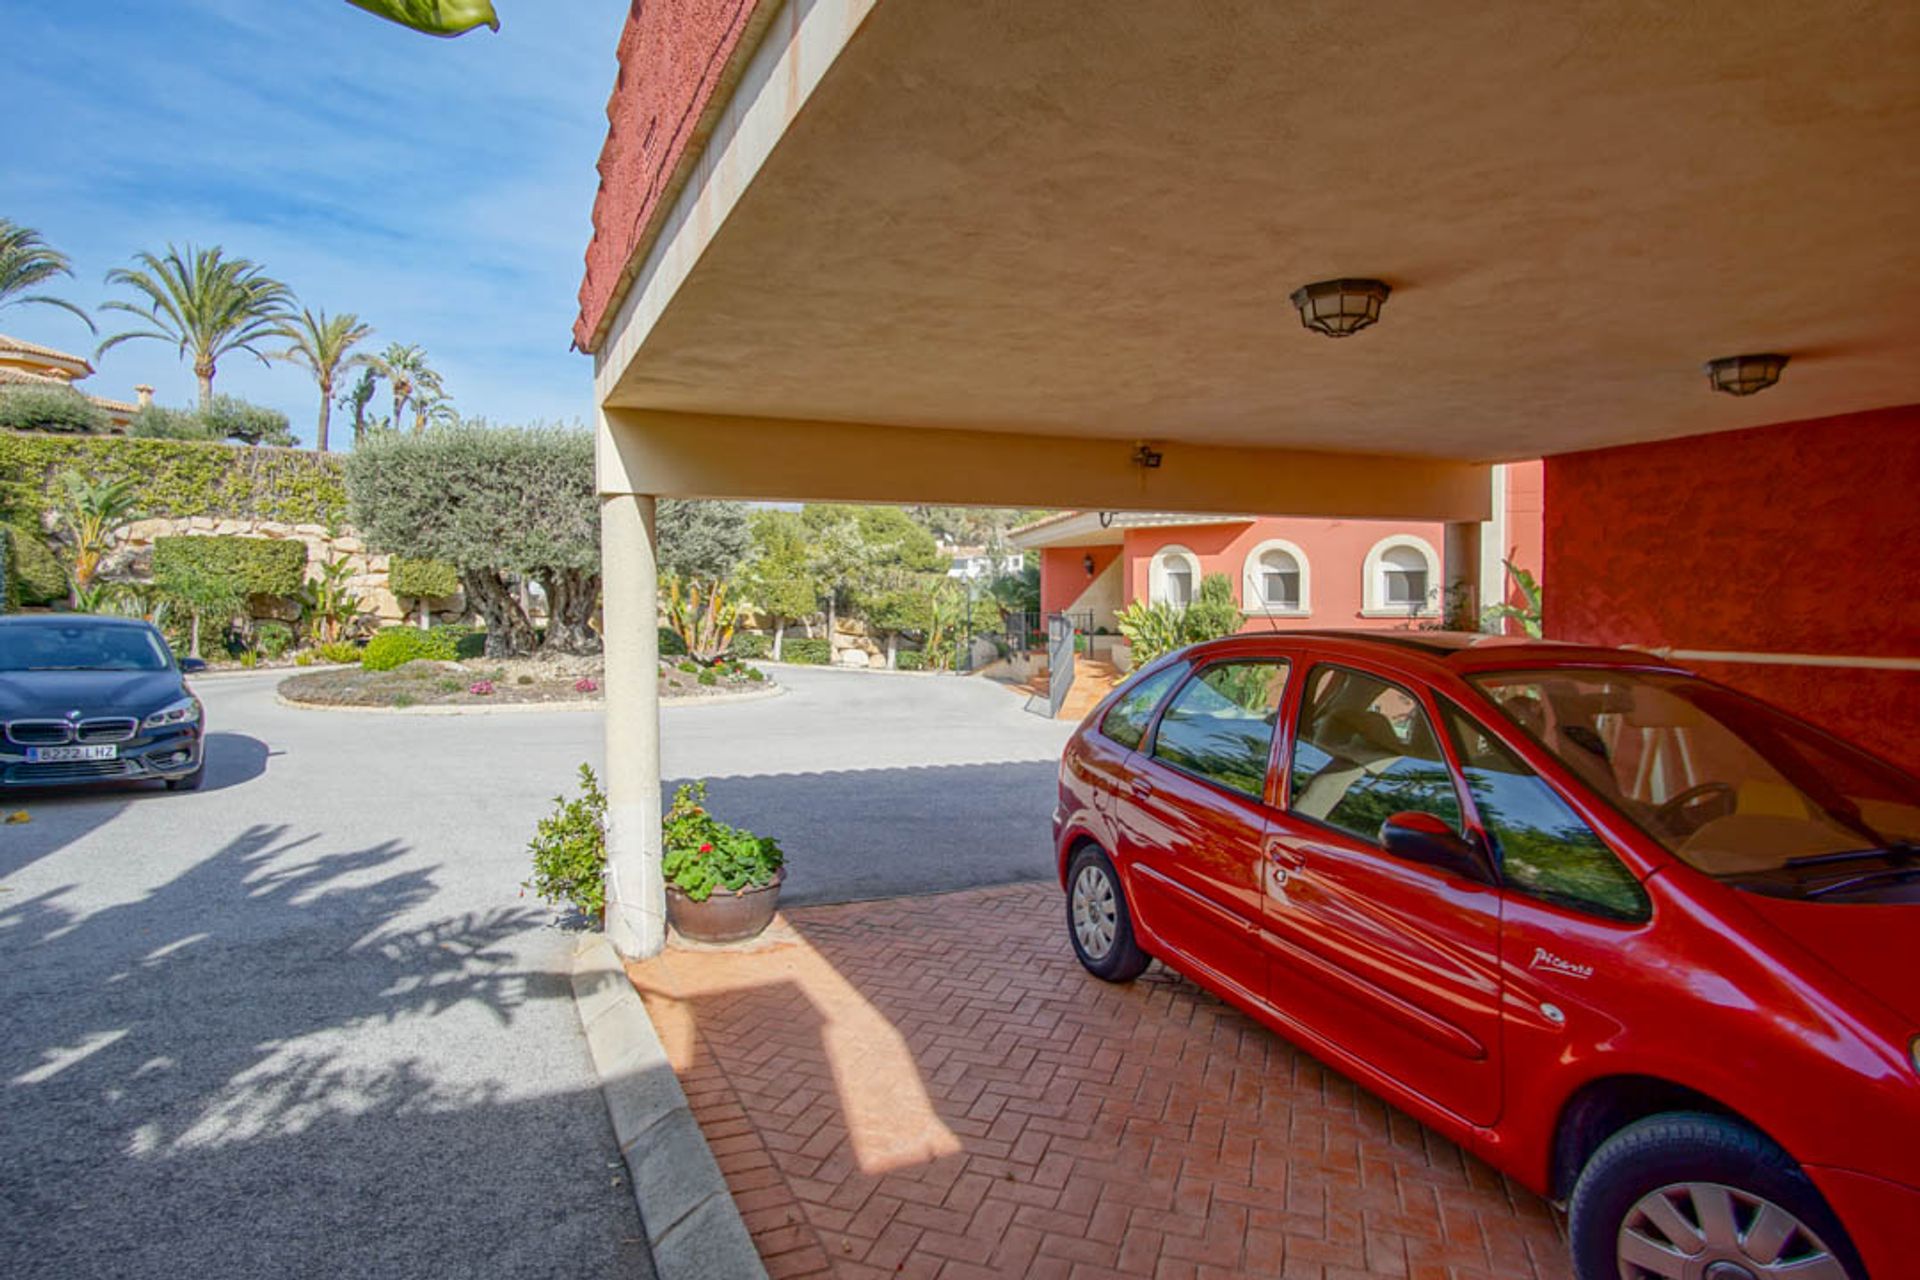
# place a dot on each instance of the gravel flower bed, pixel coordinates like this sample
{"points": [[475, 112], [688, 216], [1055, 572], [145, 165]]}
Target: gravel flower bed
{"points": [[493, 681]]}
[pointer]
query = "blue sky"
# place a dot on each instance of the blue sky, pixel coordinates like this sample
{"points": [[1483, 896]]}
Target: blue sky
{"points": [[442, 189]]}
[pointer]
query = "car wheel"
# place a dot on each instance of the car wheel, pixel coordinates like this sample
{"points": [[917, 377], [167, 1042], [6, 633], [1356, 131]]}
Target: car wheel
{"points": [[191, 782], [1687, 1194], [1098, 921]]}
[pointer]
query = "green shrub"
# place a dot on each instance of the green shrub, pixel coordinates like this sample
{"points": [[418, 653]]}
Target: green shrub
{"points": [[810, 652], [569, 850], [156, 422], [910, 660], [751, 644], [273, 639], [703, 854], [188, 477], [756, 675], [49, 408], [252, 566], [418, 579], [339, 651], [671, 646], [468, 642], [689, 666], [1155, 629], [231, 418], [396, 646], [708, 677]]}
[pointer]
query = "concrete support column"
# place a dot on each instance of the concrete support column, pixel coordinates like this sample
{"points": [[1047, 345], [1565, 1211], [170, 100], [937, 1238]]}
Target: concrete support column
{"points": [[1460, 559], [630, 583]]}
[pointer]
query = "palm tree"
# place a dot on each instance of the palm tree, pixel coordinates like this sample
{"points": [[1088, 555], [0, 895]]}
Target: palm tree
{"points": [[205, 303], [432, 406], [405, 366], [90, 513], [358, 396], [27, 261], [321, 343]]}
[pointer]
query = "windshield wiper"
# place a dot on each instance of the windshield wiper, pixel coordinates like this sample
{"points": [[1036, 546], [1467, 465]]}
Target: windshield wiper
{"points": [[1897, 851], [1892, 875]]}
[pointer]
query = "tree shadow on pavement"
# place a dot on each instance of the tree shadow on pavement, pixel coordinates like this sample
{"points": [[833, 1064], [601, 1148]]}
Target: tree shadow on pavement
{"points": [[191, 1086], [878, 833]]}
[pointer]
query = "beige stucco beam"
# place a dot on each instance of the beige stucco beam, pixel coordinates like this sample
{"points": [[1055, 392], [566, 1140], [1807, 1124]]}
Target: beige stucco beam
{"points": [[684, 455]]}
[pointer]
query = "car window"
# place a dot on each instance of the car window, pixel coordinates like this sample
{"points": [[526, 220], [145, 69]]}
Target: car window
{"points": [[1220, 725], [1544, 848], [1366, 751], [1126, 720]]}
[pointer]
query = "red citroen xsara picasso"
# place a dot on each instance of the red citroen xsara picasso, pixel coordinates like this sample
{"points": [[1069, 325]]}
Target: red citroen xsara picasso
{"points": [[1644, 943]]}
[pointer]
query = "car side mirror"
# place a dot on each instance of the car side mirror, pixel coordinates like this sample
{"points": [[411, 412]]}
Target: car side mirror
{"points": [[1426, 839], [190, 665]]}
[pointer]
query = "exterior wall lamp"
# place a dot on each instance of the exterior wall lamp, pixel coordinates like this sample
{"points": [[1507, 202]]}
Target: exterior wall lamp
{"points": [[1146, 456], [1086, 562], [1340, 308], [1744, 375]]}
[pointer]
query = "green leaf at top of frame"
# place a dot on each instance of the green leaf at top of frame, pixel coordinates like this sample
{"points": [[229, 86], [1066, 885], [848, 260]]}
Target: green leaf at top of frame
{"points": [[435, 17]]}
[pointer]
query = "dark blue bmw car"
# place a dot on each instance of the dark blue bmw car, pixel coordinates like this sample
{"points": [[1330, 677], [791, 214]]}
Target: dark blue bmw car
{"points": [[95, 699]]}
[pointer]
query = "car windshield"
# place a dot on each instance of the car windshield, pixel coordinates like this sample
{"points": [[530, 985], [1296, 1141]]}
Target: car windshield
{"points": [[1724, 782], [82, 646]]}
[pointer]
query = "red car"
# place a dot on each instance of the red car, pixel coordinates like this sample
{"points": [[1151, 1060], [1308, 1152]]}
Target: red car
{"points": [[1648, 945]]}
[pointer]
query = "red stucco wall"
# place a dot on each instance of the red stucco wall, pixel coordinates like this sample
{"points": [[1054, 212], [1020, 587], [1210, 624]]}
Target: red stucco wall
{"points": [[1064, 576], [672, 56], [1796, 538]]}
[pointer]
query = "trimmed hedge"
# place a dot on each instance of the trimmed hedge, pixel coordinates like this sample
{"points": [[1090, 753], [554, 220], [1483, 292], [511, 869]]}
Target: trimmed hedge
{"points": [[468, 642], [417, 579], [255, 566], [750, 644], [9, 589], [814, 652], [910, 660], [35, 572], [187, 477], [396, 646]]}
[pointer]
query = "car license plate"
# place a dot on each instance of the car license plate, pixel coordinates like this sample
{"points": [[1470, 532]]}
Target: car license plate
{"points": [[52, 755]]}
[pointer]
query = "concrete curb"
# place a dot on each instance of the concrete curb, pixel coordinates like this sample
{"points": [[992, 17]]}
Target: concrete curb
{"points": [[511, 708], [694, 1230]]}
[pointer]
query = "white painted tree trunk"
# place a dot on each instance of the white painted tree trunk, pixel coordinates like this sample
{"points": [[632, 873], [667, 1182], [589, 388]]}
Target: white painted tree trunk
{"points": [[779, 634]]}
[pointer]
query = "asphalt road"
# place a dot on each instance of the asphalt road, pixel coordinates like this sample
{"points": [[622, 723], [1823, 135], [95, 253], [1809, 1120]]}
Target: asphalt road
{"points": [[301, 1023]]}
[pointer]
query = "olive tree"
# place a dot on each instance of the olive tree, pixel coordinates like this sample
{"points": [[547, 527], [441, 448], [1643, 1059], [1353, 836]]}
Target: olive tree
{"points": [[493, 502], [703, 541]]}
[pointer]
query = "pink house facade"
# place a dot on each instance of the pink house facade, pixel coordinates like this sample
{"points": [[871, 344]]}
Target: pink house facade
{"points": [[1287, 572]]}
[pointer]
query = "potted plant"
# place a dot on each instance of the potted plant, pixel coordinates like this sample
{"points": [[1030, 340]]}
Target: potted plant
{"points": [[723, 883]]}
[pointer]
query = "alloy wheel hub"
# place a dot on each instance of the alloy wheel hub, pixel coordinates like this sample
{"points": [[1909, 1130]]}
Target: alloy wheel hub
{"points": [[1707, 1231], [1096, 915]]}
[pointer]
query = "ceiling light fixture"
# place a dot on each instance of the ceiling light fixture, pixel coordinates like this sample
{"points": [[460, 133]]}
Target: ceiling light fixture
{"points": [[1146, 456], [1340, 308], [1744, 375]]}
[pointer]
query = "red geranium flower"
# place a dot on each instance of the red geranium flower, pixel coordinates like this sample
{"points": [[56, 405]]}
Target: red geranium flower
{"points": [[706, 848]]}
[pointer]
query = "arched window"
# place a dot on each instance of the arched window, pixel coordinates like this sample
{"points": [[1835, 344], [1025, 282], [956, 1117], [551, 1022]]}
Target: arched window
{"points": [[1276, 580], [1173, 577], [1403, 578]]}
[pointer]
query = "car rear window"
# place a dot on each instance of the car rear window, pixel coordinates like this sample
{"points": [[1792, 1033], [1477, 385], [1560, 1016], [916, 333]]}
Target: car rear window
{"points": [[1127, 719], [1220, 725]]}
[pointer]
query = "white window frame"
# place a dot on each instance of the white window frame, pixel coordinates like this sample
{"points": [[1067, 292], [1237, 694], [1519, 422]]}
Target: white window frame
{"points": [[1157, 571], [1253, 597], [1375, 580]]}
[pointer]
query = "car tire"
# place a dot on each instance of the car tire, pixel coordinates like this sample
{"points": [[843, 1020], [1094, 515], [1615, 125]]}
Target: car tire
{"points": [[191, 782], [1098, 922], [1685, 1169]]}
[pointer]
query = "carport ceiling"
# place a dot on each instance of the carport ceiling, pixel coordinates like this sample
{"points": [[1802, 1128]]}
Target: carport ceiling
{"points": [[1086, 219]]}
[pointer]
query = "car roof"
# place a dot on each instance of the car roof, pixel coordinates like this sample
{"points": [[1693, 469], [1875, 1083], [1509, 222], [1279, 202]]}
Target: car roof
{"points": [[1435, 652], [68, 619]]}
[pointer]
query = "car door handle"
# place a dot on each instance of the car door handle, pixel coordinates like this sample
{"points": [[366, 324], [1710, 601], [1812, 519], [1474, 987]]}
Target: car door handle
{"points": [[1140, 788], [1284, 855]]}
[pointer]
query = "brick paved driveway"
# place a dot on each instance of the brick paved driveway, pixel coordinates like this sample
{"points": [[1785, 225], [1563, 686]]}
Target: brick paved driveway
{"points": [[931, 1087]]}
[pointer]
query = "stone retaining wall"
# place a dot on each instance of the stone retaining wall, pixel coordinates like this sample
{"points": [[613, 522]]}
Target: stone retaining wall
{"points": [[132, 558]]}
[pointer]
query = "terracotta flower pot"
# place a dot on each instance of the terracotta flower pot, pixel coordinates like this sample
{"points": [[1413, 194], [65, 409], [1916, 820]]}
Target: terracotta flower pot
{"points": [[725, 916]]}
